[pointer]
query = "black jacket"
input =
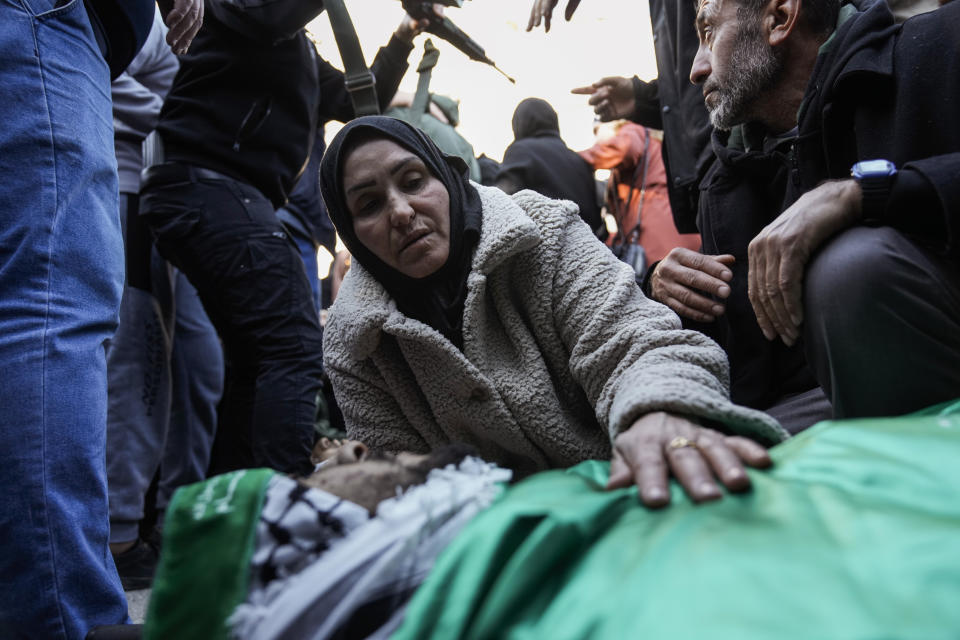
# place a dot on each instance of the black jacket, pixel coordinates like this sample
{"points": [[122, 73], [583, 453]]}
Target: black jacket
{"points": [[538, 159], [892, 92], [878, 91], [249, 107], [741, 194], [675, 105]]}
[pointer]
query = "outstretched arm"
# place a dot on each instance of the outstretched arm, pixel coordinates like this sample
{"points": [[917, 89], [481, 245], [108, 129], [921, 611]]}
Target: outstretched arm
{"points": [[636, 365]]}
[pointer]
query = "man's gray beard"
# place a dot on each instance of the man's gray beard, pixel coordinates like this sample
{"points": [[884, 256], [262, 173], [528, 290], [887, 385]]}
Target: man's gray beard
{"points": [[754, 67]]}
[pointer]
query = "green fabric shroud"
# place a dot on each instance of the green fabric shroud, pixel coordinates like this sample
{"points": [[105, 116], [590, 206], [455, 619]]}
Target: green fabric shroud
{"points": [[855, 533], [208, 539]]}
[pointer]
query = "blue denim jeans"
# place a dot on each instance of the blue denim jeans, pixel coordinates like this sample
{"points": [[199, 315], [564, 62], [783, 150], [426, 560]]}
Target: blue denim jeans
{"points": [[61, 272]]}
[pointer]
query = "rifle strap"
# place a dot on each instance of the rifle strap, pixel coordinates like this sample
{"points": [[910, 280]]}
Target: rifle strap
{"points": [[421, 99], [358, 78]]}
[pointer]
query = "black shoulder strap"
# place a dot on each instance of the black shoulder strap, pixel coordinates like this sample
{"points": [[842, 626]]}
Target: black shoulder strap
{"points": [[358, 78]]}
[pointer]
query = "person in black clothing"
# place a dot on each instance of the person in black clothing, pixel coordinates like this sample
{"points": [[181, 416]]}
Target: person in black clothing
{"points": [[538, 159], [771, 377], [237, 129], [669, 102], [841, 183]]}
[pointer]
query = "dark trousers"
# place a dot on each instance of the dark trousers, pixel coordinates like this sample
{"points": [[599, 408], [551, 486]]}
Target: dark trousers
{"points": [[882, 328], [224, 235]]}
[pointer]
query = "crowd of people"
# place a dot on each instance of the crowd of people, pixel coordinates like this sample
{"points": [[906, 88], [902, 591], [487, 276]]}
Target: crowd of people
{"points": [[776, 245]]}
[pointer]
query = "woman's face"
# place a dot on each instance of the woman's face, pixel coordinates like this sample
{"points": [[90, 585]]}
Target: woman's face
{"points": [[401, 211]]}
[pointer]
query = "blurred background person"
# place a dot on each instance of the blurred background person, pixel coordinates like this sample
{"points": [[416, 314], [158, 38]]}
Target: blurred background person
{"points": [[636, 193], [539, 160]]}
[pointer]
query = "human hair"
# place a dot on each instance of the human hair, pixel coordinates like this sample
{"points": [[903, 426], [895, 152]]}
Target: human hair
{"points": [[819, 16]]}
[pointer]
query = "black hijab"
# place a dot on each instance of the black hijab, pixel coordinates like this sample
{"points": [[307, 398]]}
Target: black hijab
{"points": [[534, 117], [437, 299]]}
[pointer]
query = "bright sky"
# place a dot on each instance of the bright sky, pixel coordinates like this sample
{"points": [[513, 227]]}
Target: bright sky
{"points": [[604, 38]]}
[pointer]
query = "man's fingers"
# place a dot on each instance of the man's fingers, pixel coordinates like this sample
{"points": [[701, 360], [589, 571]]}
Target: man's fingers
{"points": [[724, 461], [690, 468], [702, 263], [791, 284], [700, 280], [686, 298], [755, 289], [536, 12], [598, 96], [772, 293], [725, 259], [184, 21], [697, 271], [584, 91], [749, 451]]}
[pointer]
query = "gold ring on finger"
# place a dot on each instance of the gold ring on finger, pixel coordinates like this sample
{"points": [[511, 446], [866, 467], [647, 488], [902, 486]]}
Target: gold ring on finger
{"points": [[680, 442]]}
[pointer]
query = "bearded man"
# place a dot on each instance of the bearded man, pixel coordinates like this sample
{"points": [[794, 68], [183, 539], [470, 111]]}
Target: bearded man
{"points": [[856, 275]]}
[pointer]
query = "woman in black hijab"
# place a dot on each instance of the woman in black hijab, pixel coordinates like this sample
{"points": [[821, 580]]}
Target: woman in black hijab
{"points": [[501, 322], [436, 300]]}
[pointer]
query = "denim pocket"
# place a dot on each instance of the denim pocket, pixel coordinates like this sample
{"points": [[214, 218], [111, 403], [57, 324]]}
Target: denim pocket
{"points": [[48, 8]]}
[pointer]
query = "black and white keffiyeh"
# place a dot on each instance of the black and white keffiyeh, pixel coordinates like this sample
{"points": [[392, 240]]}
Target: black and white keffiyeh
{"points": [[322, 565]]}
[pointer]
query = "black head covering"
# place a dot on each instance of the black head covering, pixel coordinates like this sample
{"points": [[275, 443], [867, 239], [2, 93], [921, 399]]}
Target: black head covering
{"points": [[438, 298], [535, 117]]}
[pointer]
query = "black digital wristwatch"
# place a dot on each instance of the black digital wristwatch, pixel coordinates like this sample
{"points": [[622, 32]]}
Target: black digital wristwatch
{"points": [[876, 179]]}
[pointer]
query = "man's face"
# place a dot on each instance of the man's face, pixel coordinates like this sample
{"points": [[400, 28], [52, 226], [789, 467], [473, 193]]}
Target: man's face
{"points": [[366, 478], [735, 64]]}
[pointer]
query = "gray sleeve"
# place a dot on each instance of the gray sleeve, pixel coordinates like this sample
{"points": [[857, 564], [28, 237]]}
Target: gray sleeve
{"points": [[630, 354], [139, 91]]}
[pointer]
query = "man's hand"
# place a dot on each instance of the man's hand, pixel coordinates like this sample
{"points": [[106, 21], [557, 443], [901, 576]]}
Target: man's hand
{"points": [[612, 97], [410, 28], [660, 443], [184, 19], [779, 254], [679, 279], [541, 11]]}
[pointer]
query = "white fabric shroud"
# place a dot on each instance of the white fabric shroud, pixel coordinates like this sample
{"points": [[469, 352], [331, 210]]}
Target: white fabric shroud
{"points": [[331, 559]]}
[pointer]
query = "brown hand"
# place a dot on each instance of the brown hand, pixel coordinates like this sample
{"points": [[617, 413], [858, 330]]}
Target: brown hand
{"points": [[680, 280], [184, 20], [611, 97], [541, 11], [660, 443], [779, 254]]}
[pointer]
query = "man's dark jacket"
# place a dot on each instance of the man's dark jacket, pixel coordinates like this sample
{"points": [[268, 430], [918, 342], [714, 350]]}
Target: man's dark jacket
{"points": [[892, 92], [878, 91], [249, 95], [740, 195]]}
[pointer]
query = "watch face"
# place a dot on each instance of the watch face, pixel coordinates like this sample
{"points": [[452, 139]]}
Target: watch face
{"points": [[874, 168]]}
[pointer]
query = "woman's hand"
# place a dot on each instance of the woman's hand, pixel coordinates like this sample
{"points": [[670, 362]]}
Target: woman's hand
{"points": [[695, 455]]}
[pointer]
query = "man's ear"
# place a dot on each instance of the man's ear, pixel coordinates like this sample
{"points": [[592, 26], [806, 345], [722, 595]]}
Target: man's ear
{"points": [[780, 19]]}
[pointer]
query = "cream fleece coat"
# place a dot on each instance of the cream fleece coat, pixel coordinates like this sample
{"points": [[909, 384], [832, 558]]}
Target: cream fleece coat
{"points": [[561, 351]]}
